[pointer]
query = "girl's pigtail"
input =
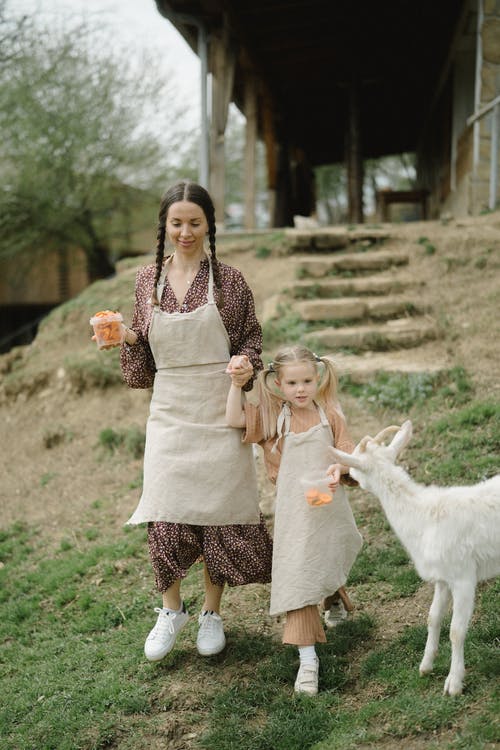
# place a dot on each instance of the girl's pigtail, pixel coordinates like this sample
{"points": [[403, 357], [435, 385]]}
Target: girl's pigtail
{"points": [[270, 402], [327, 389]]}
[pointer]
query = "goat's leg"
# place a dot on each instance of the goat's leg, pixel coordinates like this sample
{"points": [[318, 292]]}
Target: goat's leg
{"points": [[463, 606], [435, 617]]}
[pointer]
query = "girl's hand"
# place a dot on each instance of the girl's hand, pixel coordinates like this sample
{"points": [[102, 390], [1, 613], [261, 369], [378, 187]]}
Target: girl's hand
{"points": [[334, 471], [241, 370]]}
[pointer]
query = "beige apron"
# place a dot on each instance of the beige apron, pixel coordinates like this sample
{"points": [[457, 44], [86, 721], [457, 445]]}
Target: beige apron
{"points": [[314, 547], [196, 469]]}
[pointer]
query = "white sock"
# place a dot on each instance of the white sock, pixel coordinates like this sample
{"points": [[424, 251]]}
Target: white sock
{"points": [[175, 611], [307, 654]]}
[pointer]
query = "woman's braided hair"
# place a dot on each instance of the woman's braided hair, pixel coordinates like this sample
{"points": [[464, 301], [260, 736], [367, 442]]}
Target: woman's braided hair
{"points": [[194, 193]]}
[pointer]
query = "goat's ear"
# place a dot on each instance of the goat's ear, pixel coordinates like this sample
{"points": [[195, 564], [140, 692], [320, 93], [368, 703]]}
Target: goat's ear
{"points": [[402, 437], [346, 459]]}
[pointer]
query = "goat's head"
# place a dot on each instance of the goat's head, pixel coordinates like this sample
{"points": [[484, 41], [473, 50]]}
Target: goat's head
{"points": [[370, 452]]}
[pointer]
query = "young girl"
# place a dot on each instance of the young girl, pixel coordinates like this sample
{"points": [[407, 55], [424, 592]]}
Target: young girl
{"points": [[296, 421]]}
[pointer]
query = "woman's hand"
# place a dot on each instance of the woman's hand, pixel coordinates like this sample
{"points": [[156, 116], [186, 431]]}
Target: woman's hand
{"points": [[127, 335], [334, 471], [106, 346], [241, 369]]}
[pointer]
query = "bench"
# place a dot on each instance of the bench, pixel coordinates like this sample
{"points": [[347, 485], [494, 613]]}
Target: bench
{"points": [[385, 198]]}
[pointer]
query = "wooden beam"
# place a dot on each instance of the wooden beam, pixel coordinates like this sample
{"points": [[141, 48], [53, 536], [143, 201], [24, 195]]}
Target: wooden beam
{"points": [[222, 65], [271, 146]]}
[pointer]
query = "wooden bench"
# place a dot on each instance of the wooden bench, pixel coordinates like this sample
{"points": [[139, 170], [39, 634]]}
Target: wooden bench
{"points": [[385, 198]]}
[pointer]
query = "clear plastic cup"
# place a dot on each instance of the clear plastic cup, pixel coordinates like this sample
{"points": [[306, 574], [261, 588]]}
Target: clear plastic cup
{"points": [[108, 328], [316, 491]]}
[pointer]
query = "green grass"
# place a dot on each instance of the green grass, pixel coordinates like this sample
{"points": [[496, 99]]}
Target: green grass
{"points": [[429, 248], [463, 445], [68, 665], [389, 565], [263, 252], [132, 439], [402, 392], [287, 327], [96, 370]]}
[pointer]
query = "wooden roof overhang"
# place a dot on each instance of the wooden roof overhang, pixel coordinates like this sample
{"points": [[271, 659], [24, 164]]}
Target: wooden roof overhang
{"points": [[307, 53]]}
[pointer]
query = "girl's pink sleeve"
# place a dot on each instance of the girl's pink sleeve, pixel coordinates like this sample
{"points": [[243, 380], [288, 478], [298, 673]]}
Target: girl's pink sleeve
{"points": [[343, 440], [342, 436]]}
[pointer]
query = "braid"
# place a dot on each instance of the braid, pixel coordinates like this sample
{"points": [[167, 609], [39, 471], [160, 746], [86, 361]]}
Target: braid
{"points": [[160, 249], [172, 195], [215, 262]]}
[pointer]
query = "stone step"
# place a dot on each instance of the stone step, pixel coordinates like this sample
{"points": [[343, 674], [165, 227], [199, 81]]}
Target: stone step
{"points": [[356, 308], [398, 333], [333, 238], [363, 367], [369, 285], [380, 260]]}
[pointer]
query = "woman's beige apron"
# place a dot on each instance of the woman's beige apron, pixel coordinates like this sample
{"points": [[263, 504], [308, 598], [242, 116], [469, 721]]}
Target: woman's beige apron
{"points": [[314, 547], [196, 469]]}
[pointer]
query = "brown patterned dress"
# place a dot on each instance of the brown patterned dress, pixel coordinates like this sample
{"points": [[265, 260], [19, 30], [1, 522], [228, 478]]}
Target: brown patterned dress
{"points": [[233, 554]]}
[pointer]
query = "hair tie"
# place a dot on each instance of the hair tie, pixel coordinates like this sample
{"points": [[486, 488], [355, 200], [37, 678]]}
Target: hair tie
{"points": [[318, 359], [270, 367]]}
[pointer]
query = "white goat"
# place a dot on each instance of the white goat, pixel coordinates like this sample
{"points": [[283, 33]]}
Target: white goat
{"points": [[452, 534]]}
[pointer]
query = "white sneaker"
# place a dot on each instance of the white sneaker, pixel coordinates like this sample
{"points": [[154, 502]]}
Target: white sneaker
{"points": [[307, 678], [162, 638], [211, 639], [335, 614]]}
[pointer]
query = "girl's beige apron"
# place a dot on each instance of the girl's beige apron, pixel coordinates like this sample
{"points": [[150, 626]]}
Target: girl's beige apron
{"points": [[314, 547], [196, 469]]}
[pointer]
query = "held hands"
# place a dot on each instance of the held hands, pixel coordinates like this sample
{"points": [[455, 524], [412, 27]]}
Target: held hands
{"points": [[241, 370]]}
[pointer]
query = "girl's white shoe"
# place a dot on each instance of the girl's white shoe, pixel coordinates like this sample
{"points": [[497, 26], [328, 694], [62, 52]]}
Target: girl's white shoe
{"points": [[335, 614], [307, 678]]}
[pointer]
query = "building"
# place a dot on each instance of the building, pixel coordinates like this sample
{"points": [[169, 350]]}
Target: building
{"points": [[325, 81]]}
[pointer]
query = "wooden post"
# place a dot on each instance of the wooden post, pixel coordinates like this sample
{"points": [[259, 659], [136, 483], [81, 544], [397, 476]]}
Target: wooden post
{"points": [[222, 69], [250, 111], [283, 213], [354, 158], [304, 198], [270, 143]]}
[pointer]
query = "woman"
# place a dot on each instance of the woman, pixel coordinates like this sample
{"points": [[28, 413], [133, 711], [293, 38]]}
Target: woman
{"points": [[192, 316]]}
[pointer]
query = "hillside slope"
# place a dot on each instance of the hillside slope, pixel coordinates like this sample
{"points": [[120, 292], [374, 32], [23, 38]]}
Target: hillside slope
{"points": [[58, 394]]}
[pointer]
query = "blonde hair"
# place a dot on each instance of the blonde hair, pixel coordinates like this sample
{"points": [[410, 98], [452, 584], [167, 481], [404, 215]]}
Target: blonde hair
{"points": [[271, 400]]}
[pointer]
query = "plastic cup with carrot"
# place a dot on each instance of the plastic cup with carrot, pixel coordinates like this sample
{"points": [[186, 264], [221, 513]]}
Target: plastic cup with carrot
{"points": [[108, 328], [316, 491]]}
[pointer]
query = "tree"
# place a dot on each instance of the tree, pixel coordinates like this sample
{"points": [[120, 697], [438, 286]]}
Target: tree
{"points": [[331, 193], [77, 145]]}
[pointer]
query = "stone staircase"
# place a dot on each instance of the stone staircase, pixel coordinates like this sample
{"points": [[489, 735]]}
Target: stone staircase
{"points": [[359, 298]]}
